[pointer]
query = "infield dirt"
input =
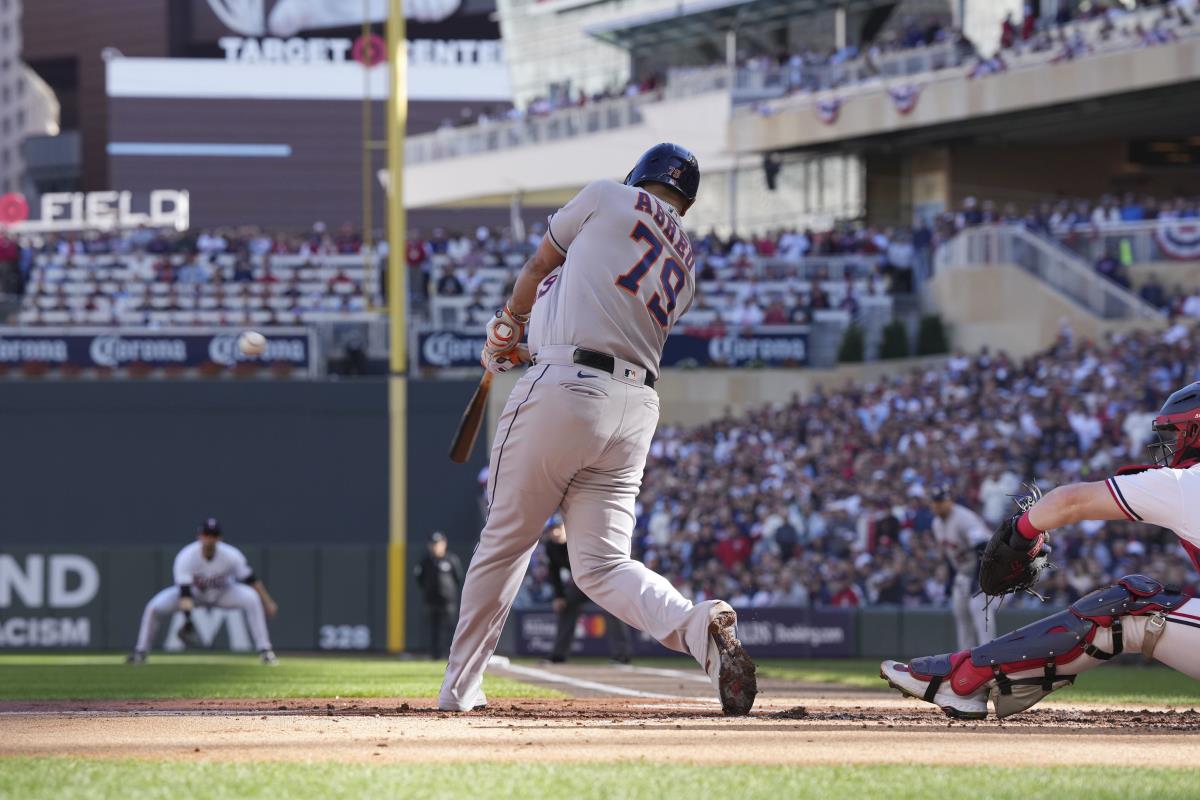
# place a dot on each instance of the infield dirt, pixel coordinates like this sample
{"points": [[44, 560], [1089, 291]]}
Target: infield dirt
{"points": [[792, 724]]}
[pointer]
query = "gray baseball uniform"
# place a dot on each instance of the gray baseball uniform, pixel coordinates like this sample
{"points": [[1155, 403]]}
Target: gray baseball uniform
{"points": [[959, 534], [576, 437]]}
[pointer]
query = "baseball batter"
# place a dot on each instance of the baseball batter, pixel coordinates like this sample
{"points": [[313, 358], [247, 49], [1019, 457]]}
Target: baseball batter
{"points": [[613, 273], [1137, 613], [210, 574], [961, 533]]}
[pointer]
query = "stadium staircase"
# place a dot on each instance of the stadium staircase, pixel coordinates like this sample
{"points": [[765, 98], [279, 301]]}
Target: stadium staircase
{"points": [[1004, 287]]}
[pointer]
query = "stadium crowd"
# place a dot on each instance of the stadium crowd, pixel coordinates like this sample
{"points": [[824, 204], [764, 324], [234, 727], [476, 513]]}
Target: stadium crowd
{"points": [[772, 277], [822, 500]]}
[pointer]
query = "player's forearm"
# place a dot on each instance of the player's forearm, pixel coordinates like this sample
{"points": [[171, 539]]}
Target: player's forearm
{"points": [[1073, 503], [524, 292], [540, 264], [261, 588]]}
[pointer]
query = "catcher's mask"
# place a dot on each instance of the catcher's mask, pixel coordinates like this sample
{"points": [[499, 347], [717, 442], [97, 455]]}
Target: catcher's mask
{"points": [[1177, 429]]}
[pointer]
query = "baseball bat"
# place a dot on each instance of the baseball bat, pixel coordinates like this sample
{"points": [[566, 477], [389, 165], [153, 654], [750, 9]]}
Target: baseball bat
{"points": [[472, 418]]}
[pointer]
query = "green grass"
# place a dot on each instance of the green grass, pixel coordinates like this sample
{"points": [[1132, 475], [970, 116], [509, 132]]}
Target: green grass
{"points": [[1114, 683], [106, 677], [65, 779]]}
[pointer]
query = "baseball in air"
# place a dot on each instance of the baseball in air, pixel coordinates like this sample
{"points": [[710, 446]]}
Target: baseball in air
{"points": [[252, 343]]}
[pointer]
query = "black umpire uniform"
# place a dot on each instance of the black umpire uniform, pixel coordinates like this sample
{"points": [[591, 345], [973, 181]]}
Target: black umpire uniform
{"points": [[440, 576], [569, 600]]}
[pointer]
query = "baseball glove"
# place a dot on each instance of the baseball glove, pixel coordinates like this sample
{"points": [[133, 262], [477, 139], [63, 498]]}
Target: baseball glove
{"points": [[188, 635], [1011, 563]]}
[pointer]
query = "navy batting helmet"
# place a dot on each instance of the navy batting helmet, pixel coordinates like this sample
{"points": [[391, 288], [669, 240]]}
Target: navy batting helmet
{"points": [[668, 164]]}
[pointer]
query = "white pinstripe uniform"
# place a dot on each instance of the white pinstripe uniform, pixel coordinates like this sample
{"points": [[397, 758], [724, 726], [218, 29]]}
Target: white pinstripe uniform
{"points": [[215, 583], [1169, 498], [576, 437]]}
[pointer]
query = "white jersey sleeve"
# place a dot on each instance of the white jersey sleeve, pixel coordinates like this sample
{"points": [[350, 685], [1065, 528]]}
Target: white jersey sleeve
{"points": [[1166, 497]]}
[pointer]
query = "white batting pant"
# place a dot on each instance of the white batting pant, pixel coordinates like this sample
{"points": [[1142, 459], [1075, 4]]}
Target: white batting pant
{"points": [[235, 595], [578, 443], [974, 617]]}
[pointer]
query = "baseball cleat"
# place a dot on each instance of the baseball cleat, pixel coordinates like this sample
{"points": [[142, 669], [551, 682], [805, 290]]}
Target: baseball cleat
{"points": [[268, 658], [727, 665], [136, 658], [479, 704], [931, 689]]}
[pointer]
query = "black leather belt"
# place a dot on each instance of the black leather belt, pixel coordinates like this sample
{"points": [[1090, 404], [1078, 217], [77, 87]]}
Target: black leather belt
{"points": [[605, 363]]}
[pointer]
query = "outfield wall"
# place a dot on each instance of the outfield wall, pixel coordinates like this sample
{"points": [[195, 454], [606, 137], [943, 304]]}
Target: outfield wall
{"points": [[291, 468], [105, 481], [334, 598]]}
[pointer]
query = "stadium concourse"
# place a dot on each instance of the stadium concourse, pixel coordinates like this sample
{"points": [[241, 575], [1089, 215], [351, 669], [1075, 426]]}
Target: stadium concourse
{"points": [[823, 500], [930, 42]]}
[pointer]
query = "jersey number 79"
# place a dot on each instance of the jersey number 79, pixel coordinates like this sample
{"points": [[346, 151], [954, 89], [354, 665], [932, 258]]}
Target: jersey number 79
{"points": [[671, 277]]}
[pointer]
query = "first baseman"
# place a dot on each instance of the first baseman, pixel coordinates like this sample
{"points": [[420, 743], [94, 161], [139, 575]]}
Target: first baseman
{"points": [[209, 574], [613, 273], [1135, 614]]}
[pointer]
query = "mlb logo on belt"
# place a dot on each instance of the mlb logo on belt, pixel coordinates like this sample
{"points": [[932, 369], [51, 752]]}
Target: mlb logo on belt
{"points": [[631, 373]]}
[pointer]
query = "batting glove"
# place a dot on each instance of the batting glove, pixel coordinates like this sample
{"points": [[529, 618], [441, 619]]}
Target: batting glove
{"points": [[499, 363], [504, 331]]}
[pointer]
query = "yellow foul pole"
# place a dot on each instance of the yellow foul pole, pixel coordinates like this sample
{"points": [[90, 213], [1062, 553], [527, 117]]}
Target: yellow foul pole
{"points": [[397, 118]]}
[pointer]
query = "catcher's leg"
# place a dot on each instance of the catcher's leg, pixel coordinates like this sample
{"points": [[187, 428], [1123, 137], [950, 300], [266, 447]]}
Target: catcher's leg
{"points": [[162, 604], [1018, 669]]}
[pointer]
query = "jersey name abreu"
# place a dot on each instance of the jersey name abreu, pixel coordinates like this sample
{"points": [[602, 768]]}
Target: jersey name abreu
{"points": [[627, 278], [227, 565], [668, 225]]}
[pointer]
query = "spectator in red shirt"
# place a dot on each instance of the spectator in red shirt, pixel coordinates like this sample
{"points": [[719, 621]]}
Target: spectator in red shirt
{"points": [[733, 550], [843, 594]]}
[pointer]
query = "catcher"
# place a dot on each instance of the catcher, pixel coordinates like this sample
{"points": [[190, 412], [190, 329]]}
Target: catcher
{"points": [[1136, 614], [209, 573]]}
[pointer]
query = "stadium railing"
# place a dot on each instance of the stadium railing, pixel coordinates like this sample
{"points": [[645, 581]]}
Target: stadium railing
{"points": [[1047, 260], [565, 123], [949, 62], [1135, 242], [868, 72]]}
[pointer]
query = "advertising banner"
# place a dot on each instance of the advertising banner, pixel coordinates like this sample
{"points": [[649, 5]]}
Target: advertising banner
{"points": [[330, 598], [766, 632], [771, 347], [49, 600], [115, 349], [768, 347]]}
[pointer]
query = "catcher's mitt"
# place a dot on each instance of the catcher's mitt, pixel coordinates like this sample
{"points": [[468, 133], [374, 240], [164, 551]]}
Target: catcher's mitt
{"points": [[188, 635], [1011, 563]]}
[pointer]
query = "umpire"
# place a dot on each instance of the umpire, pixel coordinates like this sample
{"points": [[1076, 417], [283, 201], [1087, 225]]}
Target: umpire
{"points": [[569, 600], [440, 577]]}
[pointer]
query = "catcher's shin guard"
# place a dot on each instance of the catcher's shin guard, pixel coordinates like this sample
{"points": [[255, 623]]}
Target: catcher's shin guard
{"points": [[1022, 667]]}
